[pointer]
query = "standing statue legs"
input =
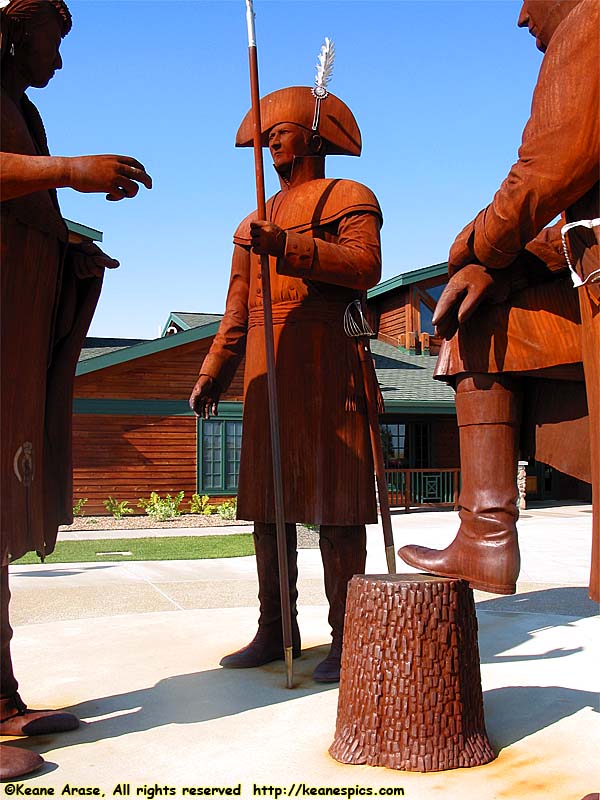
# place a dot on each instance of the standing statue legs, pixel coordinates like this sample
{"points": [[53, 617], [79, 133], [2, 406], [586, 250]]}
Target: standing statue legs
{"points": [[485, 551], [267, 645], [15, 718], [344, 554]]}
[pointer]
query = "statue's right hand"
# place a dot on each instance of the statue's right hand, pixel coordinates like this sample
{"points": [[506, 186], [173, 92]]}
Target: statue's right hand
{"points": [[466, 290], [204, 399], [118, 176]]}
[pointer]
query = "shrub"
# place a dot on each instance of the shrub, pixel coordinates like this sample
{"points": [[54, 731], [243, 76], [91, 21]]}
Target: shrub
{"points": [[199, 505], [161, 508], [118, 508], [228, 510], [78, 507]]}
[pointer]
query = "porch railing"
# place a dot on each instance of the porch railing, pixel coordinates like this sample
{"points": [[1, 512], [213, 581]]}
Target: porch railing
{"points": [[417, 488]]}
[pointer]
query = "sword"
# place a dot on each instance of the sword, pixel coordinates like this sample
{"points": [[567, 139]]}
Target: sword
{"points": [[361, 331]]}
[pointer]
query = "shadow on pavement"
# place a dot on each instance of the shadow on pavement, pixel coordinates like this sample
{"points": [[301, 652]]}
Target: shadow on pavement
{"points": [[515, 712], [571, 601], [192, 698]]}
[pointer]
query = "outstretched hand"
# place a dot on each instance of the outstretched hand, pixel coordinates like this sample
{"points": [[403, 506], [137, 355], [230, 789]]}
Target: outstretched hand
{"points": [[89, 261], [465, 292], [204, 399], [118, 176]]}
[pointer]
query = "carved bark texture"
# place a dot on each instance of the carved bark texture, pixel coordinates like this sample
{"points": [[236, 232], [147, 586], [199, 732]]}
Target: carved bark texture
{"points": [[410, 689]]}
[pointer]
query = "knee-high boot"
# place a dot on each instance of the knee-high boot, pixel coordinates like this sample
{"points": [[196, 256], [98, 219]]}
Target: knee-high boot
{"points": [[485, 551], [344, 554], [15, 718], [267, 645]]}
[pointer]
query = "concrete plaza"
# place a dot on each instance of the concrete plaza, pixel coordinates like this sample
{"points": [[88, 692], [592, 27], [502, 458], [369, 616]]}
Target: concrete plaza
{"points": [[133, 650]]}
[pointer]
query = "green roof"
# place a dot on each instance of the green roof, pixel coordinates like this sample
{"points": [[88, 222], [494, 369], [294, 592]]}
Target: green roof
{"points": [[84, 230], [100, 346], [408, 278], [407, 383], [119, 354], [185, 320]]}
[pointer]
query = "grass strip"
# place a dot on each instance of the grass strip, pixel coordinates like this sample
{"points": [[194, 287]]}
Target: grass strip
{"points": [[165, 548]]}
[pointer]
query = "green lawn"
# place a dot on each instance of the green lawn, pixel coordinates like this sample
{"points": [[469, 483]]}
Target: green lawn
{"points": [[167, 548]]}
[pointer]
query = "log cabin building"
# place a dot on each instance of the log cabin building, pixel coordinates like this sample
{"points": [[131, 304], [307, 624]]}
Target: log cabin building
{"points": [[134, 432]]}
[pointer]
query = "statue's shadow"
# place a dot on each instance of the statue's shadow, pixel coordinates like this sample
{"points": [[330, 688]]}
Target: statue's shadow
{"points": [[192, 698], [515, 712], [512, 712]]}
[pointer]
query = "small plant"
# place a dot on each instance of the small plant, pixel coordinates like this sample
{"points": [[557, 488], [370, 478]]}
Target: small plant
{"points": [[228, 510], [118, 508], [161, 508], [199, 505], [78, 507]]}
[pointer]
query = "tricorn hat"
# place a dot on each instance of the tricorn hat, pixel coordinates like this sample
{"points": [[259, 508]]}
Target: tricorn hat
{"points": [[296, 104]]}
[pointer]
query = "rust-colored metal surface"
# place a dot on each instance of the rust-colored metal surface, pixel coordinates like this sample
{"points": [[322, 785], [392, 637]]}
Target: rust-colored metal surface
{"points": [[50, 288], [509, 309], [410, 688], [320, 242]]}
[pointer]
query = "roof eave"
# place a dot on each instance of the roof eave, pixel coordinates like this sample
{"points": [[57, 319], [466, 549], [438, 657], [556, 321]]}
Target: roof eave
{"points": [[146, 348]]}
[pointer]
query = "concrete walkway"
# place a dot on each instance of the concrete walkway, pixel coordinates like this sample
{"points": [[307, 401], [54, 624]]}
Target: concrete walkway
{"points": [[133, 649]]}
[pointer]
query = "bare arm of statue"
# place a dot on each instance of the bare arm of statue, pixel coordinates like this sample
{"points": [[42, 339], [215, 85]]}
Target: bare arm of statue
{"points": [[118, 176]]}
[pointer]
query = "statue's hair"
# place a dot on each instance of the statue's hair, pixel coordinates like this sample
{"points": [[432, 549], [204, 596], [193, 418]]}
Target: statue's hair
{"points": [[29, 9]]}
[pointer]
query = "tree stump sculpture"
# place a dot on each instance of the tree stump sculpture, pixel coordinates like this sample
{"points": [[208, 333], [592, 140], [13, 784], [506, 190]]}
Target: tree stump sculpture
{"points": [[410, 689]]}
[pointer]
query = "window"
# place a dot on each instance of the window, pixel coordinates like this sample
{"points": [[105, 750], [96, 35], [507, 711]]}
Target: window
{"points": [[406, 445], [419, 445], [425, 300], [426, 319], [393, 440], [219, 446]]}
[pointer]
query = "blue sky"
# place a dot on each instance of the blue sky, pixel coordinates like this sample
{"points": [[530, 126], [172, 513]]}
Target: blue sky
{"points": [[441, 90]]}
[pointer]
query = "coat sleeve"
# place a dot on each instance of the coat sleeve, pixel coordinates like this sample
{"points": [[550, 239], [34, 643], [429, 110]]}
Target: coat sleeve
{"points": [[353, 260], [559, 155], [229, 344]]}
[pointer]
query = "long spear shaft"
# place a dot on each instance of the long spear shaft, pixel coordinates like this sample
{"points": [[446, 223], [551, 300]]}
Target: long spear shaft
{"points": [[286, 614]]}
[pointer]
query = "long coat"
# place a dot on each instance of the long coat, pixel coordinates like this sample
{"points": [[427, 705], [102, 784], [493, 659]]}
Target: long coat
{"points": [[332, 255], [46, 312]]}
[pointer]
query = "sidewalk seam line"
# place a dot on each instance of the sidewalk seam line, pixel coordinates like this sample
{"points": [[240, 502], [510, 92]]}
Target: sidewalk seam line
{"points": [[156, 589]]}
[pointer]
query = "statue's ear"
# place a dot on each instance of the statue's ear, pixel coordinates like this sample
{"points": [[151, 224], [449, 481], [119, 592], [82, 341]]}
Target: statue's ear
{"points": [[317, 145]]}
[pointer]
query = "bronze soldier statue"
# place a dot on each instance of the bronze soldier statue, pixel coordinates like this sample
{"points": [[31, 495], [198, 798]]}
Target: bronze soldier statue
{"points": [[49, 292], [322, 238], [524, 335]]}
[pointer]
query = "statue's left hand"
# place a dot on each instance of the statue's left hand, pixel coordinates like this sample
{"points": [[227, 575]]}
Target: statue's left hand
{"points": [[465, 292], [89, 261], [267, 238]]}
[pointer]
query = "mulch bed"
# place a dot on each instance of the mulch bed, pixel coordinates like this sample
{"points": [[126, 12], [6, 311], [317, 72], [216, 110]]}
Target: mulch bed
{"points": [[307, 537], [131, 522]]}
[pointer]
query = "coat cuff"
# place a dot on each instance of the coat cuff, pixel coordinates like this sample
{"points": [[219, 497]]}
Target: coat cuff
{"points": [[298, 256], [214, 367], [486, 251]]}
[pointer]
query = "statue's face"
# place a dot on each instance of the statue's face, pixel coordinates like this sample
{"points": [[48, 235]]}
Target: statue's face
{"points": [[38, 53], [532, 16], [542, 18], [286, 141]]}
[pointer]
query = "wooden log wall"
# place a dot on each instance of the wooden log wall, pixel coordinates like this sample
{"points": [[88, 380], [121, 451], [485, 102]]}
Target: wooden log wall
{"points": [[127, 457], [168, 375], [393, 317]]}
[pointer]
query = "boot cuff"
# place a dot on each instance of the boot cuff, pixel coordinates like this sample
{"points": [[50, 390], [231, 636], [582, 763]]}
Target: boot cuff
{"points": [[488, 406]]}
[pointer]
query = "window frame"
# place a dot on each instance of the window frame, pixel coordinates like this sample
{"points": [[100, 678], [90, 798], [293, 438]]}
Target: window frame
{"points": [[223, 421]]}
